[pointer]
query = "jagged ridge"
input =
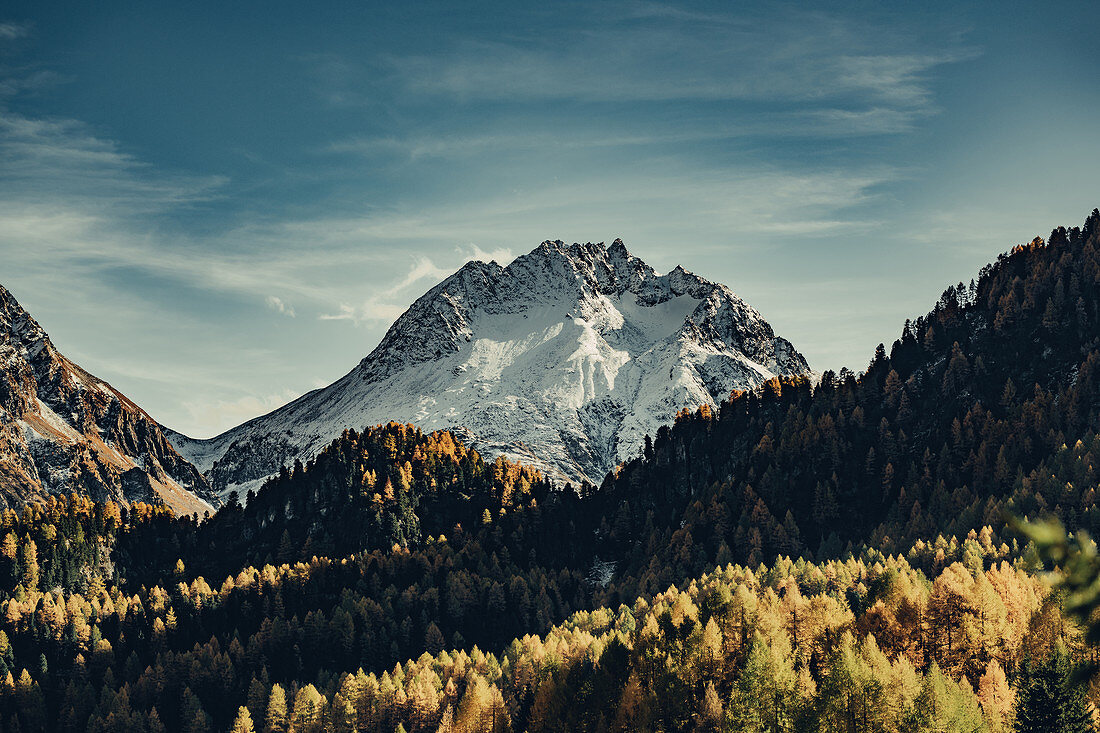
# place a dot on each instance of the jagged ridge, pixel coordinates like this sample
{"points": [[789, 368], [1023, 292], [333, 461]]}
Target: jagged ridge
{"points": [[564, 360], [63, 430]]}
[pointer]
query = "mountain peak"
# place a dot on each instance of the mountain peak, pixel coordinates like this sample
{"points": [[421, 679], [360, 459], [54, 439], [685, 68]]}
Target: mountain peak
{"points": [[564, 359], [586, 254], [65, 430]]}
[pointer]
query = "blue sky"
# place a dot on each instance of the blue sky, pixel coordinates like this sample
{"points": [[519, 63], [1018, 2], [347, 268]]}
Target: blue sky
{"points": [[219, 206]]}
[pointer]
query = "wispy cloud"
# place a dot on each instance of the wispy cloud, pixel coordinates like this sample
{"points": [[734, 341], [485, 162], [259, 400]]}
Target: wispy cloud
{"points": [[386, 305], [740, 203], [651, 10], [31, 81], [500, 255], [422, 268], [383, 304], [209, 418], [63, 158], [818, 123], [69, 196], [736, 75], [816, 57], [277, 305], [451, 146], [10, 31]]}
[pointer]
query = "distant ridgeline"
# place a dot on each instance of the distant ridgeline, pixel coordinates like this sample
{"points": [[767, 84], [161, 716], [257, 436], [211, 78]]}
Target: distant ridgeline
{"points": [[394, 544]]}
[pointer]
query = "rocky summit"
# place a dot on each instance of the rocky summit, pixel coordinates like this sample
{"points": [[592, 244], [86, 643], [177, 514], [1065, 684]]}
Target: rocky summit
{"points": [[64, 431], [565, 360]]}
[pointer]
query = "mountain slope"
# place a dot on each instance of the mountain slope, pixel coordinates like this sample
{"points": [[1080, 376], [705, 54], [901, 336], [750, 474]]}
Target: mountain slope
{"points": [[988, 405], [565, 360], [63, 430]]}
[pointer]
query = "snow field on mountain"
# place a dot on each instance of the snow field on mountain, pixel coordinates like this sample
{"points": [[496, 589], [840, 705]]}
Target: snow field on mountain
{"points": [[565, 360]]}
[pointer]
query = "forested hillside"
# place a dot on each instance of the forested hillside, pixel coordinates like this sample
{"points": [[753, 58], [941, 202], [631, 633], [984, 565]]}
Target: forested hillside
{"points": [[390, 485], [830, 556], [868, 643], [943, 434]]}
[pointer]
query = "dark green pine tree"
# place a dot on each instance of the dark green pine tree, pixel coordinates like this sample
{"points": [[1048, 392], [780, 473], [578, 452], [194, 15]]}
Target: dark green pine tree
{"points": [[1050, 700]]}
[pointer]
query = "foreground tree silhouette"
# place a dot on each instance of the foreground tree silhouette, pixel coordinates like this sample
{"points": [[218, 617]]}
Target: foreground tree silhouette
{"points": [[1050, 700], [1052, 697]]}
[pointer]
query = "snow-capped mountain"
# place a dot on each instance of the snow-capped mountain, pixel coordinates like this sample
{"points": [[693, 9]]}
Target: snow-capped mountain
{"points": [[63, 430], [564, 360]]}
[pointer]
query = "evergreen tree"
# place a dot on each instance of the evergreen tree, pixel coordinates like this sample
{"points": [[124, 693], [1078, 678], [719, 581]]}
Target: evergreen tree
{"points": [[243, 722], [947, 705], [996, 697], [765, 698], [277, 719], [710, 713], [1050, 700], [28, 565]]}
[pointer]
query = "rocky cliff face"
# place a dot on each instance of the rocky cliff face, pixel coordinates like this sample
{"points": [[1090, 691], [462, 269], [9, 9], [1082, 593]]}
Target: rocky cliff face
{"points": [[63, 430], [564, 360]]}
